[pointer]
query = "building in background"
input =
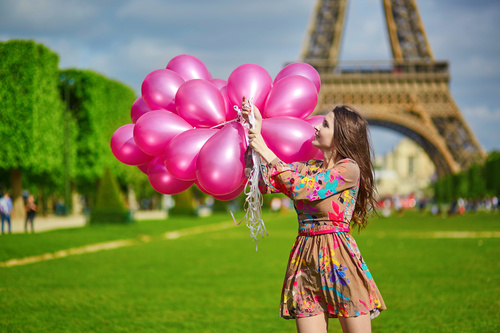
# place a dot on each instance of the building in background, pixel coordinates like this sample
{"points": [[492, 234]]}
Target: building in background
{"points": [[406, 171]]}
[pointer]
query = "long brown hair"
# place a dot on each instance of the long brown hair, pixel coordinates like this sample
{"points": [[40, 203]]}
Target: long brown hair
{"points": [[352, 140]]}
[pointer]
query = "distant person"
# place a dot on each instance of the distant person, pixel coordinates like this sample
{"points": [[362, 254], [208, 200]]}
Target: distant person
{"points": [[326, 275], [494, 203], [31, 210], [6, 210], [275, 204]]}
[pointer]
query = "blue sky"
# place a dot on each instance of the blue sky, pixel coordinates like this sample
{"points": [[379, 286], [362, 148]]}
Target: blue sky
{"points": [[127, 39]]}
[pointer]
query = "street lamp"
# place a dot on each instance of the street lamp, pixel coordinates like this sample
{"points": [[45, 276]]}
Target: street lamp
{"points": [[67, 82]]}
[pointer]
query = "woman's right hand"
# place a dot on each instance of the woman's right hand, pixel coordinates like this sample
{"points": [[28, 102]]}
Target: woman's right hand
{"points": [[246, 110]]}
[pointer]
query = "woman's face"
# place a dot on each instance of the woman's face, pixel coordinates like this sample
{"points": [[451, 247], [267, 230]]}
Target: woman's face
{"points": [[324, 133]]}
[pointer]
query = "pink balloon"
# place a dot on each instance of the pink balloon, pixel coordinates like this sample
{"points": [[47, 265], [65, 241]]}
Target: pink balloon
{"points": [[154, 130], [319, 155], [300, 68], [159, 89], [162, 180], [231, 113], [316, 120], [200, 103], [124, 147], [182, 151], [139, 108], [144, 167], [249, 80], [220, 167], [289, 138], [232, 195], [189, 67], [197, 183], [294, 96], [218, 83]]}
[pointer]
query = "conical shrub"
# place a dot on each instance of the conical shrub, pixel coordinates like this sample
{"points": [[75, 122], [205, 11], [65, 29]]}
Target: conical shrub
{"points": [[109, 206]]}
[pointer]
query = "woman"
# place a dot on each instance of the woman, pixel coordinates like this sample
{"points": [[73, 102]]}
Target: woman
{"points": [[326, 276]]}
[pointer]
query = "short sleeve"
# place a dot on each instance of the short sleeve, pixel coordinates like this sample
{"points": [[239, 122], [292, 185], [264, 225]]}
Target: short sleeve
{"points": [[296, 182]]}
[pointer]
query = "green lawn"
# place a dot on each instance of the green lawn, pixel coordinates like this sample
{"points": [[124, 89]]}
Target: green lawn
{"points": [[217, 282]]}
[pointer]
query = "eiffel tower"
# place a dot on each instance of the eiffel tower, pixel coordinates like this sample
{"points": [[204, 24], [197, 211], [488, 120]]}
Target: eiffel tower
{"points": [[409, 94]]}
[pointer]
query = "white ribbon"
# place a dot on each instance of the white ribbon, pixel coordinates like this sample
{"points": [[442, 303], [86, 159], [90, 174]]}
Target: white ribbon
{"points": [[253, 200]]}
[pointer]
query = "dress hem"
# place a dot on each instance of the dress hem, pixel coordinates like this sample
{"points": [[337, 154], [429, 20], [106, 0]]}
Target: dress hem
{"points": [[374, 313]]}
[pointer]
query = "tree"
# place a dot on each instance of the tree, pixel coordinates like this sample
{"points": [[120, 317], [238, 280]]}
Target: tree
{"points": [[31, 114], [492, 173], [98, 107], [477, 184]]}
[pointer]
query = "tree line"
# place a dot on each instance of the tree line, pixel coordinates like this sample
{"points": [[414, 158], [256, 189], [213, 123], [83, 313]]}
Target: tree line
{"points": [[478, 182], [56, 126]]}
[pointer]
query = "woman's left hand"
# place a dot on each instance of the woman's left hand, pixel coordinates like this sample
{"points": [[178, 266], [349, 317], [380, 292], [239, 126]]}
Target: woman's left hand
{"points": [[257, 143]]}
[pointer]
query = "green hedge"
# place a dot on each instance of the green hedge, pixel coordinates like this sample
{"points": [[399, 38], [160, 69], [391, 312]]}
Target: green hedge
{"points": [[31, 110]]}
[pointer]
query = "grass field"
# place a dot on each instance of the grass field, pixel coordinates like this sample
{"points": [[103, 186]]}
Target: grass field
{"points": [[436, 275]]}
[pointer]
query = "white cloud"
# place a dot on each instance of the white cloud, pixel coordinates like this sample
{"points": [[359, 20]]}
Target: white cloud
{"points": [[46, 14]]}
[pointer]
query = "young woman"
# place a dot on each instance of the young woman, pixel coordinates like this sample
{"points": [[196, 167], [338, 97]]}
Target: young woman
{"points": [[326, 275]]}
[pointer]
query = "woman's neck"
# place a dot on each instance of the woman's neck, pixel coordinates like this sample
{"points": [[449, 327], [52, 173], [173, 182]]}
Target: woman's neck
{"points": [[330, 158]]}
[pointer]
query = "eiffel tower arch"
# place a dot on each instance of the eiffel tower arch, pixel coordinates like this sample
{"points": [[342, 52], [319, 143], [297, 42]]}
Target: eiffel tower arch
{"points": [[409, 94]]}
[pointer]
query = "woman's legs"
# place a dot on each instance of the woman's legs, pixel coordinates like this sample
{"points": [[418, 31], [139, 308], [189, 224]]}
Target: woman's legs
{"points": [[314, 324], [361, 324], [32, 217]]}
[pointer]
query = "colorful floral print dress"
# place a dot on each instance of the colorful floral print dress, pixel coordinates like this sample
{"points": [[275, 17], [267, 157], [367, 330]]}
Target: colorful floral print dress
{"points": [[325, 273]]}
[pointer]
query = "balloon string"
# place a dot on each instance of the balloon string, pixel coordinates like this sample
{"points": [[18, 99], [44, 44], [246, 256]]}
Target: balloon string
{"points": [[253, 200], [224, 123]]}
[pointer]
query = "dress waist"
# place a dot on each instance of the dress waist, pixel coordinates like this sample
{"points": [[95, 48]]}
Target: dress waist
{"points": [[315, 227], [323, 232]]}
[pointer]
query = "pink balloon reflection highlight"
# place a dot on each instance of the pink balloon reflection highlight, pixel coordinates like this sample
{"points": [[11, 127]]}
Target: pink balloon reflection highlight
{"points": [[124, 147], [182, 151], [162, 180], [159, 89], [289, 138], [189, 67], [200, 103], [221, 163], [154, 130], [294, 96]]}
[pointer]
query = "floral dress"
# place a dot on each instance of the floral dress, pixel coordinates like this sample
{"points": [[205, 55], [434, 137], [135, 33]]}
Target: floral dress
{"points": [[326, 272]]}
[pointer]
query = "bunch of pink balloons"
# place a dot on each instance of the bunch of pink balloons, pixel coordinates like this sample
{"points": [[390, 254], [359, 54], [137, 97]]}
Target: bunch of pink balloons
{"points": [[185, 129]]}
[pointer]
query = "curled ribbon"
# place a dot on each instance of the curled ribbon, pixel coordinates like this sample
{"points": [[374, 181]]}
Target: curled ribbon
{"points": [[253, 200]]}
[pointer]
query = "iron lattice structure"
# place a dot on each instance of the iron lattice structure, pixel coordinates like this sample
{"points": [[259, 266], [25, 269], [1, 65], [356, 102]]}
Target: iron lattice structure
{"points": [[409, 94]]}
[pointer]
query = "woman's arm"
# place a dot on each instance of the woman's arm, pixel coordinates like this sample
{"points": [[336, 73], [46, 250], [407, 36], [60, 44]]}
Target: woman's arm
{"points": [[255, 138]]}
